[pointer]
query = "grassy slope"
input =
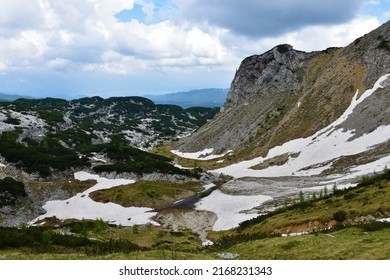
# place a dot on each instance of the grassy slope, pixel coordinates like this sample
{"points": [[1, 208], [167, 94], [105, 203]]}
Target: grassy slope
{"points": [[153, 194], [254, 239]]}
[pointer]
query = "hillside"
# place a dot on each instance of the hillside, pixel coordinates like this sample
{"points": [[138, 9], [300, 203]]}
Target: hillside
{"points": [[134, 120], [43, 142], [296, 231], [285, 94]]}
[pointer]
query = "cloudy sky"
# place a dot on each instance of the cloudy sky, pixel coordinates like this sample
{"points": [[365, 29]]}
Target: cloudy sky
{"points": [[132, 47]]}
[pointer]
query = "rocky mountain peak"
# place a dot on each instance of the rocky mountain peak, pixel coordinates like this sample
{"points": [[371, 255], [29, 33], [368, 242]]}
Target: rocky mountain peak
{"points": [[274, 71]]}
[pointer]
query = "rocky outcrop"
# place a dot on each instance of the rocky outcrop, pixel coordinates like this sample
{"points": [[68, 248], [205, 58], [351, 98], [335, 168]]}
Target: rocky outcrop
{"points": [[274, 72]]}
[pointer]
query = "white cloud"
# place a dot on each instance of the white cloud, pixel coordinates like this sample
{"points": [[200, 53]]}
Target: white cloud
{"points": [[3, 67], [86, 33], [84, 36], [321, 37], [58, 63]]}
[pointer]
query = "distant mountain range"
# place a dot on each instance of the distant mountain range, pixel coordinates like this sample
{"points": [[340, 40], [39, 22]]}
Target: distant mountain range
{"points": [[10, 97], [209, 97]]}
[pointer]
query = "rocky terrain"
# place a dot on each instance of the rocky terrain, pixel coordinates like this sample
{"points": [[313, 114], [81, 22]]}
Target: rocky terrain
{"points": [[135, 120], [285, 94], [294, 125]]}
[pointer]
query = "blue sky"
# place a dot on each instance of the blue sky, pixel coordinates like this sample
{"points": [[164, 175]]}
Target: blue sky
{"points": [[133, 47]]}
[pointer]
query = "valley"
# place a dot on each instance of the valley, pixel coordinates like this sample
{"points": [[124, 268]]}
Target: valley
{"points": [[298, 154]]}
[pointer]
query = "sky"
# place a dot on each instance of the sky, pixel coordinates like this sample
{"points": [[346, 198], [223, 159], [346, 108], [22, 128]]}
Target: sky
{"points": [[106, 48]]}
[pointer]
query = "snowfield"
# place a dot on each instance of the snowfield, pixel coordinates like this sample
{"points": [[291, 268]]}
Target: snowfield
{"points": [[81, 206], [316, 152], [230, 208], [206, 154]]}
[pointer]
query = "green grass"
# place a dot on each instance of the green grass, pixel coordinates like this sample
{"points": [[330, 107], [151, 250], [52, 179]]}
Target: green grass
{"points": [[366, 199], [153, 194], [351, 243], [254, 239]]}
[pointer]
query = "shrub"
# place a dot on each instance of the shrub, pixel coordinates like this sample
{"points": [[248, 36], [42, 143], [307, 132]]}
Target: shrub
{"points": [[340, 215], [10, 191]]}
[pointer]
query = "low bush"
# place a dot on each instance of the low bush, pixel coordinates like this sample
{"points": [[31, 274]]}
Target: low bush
{"points": [[340, 215]]}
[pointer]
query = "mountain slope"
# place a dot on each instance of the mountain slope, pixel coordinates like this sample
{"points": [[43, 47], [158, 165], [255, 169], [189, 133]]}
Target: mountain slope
{"points": [[286, 94], [135, 120]]}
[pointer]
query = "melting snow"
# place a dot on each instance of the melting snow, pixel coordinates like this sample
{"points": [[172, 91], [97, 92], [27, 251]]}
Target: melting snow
{"points": [[206, 154], [314, 151], [229, 208], [81, 206]]}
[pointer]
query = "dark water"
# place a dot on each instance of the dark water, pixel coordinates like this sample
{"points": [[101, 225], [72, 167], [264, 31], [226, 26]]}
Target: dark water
{"points": [[187, 203]]}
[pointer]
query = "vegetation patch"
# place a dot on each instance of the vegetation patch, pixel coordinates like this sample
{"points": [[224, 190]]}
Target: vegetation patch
{"points": [[152, 194], [41, 158], [10, 191]]}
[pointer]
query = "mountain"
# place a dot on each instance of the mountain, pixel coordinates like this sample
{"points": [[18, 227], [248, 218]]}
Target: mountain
{"points": [[42, 135], [210, 97], [135, 120], [10, 97], [327, 110], [296, 132]]}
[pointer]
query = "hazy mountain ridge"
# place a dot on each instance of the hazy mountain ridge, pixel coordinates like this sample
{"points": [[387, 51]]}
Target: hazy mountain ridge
{"points": [[210, 97]]}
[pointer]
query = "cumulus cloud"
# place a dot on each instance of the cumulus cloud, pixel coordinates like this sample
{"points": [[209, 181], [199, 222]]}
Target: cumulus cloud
{"points": [[314, 38], [3, 67], [86, 34], [84, 37], [257, 18]]}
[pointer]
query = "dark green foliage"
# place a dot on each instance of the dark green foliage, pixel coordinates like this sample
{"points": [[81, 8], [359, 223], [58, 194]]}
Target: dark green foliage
{"points": [[282, 48], [45, 239], [10, 191], [42, 159], [374, 226], [384, 43], [38, 236], [43, 104], [365, 181], [132, 160], [13, 121], [112, 246], [340, 215], [227, 241]]}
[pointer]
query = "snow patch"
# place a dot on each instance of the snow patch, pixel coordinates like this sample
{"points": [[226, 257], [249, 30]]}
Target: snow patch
{"points": [[206, 154], [81, 206], [230, 208], [317, 151]]}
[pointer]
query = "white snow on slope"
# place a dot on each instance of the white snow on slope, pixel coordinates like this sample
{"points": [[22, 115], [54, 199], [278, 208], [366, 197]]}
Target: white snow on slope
{"points": [[229, 208], [206, 154], [81, 206], [2, 165], [325, 145]]}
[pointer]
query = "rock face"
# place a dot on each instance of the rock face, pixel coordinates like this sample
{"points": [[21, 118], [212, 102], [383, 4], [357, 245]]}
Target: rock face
{"points": [[270, 73], [286, 94]]}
